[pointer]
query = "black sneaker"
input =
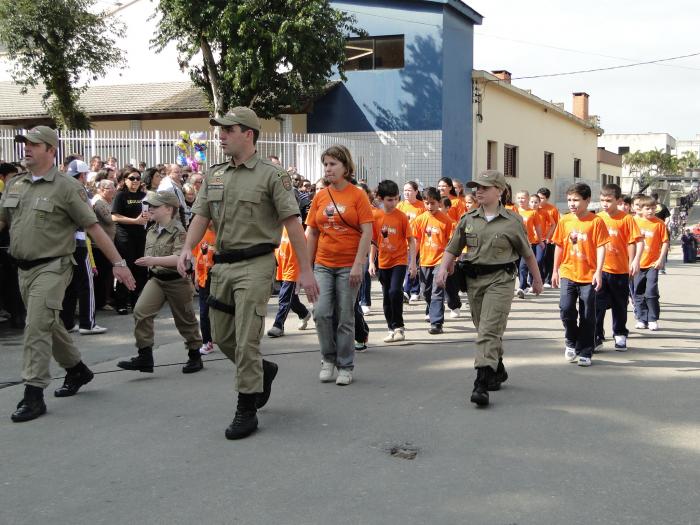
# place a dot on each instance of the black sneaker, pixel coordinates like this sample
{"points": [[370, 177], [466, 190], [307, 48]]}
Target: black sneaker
{"points": [[76, 377], [435, 329], [31, 406], [269, 374]]}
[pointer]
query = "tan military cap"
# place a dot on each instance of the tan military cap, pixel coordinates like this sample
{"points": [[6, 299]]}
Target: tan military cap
{"points": [[162, 198], [240, 115], [38, 135], [488, 178]]}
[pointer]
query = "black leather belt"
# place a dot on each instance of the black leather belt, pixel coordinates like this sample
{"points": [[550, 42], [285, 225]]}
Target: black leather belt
{"points": [[165, 276], [28, 265], [475, 270], [241, 255]]}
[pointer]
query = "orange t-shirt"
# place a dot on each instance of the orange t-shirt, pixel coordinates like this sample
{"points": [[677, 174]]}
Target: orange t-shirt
{"points": [[552, 217], [511, 207], [287, 264], [532, 219], [339, 237], [204, 261], [457, 209], [432, 233], [655, 234], [579, 239], [623, 231], [391, 233], [411, 210]]}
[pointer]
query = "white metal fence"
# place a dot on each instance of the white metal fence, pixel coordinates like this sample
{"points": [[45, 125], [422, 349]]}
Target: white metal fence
{"points": [[374, 160]]}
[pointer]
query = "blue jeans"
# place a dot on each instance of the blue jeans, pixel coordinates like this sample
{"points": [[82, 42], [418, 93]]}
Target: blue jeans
{"points": [[392, 281], [204, 323], [289, 300], [366, 287], [525, 275], [579, 326], [412, 286], [614, 294], [336, 297], [646, 295], [434, 298]]}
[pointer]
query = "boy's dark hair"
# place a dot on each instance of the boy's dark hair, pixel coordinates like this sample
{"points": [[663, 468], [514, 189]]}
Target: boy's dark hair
{"points": [[545, 191], [446, 203], [387, 188], [431, 193], [627, 200], [580, 188], [611, 190]]}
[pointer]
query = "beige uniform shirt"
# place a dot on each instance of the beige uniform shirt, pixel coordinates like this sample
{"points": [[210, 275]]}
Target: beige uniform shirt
{"points": [[499, 241], [246, 203], [103, 211], [43, 215], [165, 241]]}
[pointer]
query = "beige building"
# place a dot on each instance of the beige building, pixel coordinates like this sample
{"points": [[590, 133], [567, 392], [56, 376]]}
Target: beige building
{"points": [[535, 143]]}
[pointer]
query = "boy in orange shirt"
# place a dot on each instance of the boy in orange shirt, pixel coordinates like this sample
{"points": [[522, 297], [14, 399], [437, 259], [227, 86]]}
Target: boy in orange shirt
{"points": [[204, 259], [646, 282], [412, 207], [580, 239], [552, 214], [397, 250], [622, 255], [288, 273], [432, 230], [532, 220]]}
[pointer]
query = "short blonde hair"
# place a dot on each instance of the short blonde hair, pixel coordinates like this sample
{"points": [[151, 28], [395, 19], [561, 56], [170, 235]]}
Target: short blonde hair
{"points": [[342, 155]]}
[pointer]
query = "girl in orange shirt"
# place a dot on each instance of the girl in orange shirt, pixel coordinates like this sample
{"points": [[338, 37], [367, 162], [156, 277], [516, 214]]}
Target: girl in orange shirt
{"points": [[457, 206], [533, 227], [203, 261], [412, 207], [397, 248]]}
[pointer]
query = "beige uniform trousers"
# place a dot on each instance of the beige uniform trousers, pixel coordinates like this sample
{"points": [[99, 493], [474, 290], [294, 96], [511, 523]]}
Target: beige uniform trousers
{"points": [[42, 289], [178, 294], [247, 285], [490, 298]]}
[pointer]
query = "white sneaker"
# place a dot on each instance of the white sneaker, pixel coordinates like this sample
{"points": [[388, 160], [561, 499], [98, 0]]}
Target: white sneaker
{"points": [[520, 294], [653, 326], [570, 354], [415, 299], [454, 314], [344, 377], [621, 343], [398, 335], [97, 329], [584, 361], [365, 310], [304, 322], [427, 317], [406, 299], [640, 325], [546, 285], [207, 348], [275, 332], [74, 329], [529, 291], [327, 372], [389, 338]]}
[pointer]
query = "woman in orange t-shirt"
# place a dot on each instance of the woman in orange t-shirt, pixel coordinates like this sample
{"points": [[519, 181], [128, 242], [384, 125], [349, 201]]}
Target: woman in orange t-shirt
{"points": [[203, 255], [412, 207], [339, 233]]}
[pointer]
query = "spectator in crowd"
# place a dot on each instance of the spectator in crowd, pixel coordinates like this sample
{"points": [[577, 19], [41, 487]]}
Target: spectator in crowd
{"points": [[274, 159], [690, 246], [113, 163], [196, 182], [142, 166], [131, 219], [102, 204], [151, 179], [173, 182], [190, 196], [95, 167]]}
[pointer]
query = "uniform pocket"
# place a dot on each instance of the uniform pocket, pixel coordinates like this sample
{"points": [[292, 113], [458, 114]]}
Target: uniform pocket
{"points": [[42, 209], [248, 201], [214, 199], [472, 240], [53, 304], [11, 202], [261, 312]]}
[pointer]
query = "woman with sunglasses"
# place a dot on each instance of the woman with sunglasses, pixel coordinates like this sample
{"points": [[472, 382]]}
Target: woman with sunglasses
{"points": [[130, 240]]}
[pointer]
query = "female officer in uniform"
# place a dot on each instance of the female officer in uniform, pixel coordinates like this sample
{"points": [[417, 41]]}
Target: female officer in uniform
{"points": [[494, 238], [164, 242]]}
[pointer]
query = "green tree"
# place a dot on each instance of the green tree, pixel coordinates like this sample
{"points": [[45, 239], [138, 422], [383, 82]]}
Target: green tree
{"points": [[270, 55], [62, 45], [646, 166], [689, 159]]}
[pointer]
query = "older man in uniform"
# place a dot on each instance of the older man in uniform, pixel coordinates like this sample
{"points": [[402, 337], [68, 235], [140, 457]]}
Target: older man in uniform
{"points": [[43, 209], [494, 238], [249, 200]]}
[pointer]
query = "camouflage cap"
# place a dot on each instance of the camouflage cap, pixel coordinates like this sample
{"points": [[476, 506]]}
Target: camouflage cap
{"points": [[488, 178], [162, 198], [38, 135], [239, 115]]}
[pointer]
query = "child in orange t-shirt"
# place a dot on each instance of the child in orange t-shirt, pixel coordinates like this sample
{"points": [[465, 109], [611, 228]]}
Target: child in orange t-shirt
{"points": [[622, 255], [532, 220], [432, 230], [288, 273], [412, 207], [397, 247], [203, 255], [552, 214], [580, 239], [646, 282]]}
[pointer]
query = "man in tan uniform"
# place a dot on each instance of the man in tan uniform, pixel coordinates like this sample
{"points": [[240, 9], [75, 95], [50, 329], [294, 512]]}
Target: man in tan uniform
{"points": [[164, 242], [249, 200], [43, 209], [494, 238]]}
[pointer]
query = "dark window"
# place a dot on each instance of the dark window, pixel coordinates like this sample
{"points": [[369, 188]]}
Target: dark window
{"points": [[490, 155], [548, 164], [577, 168], [381, 52], [510, 160], [623, 149]]}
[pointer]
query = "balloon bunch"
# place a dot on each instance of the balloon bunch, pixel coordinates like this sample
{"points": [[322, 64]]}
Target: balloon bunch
{"points": [[184, 149], [199, 143], [192, 149]]}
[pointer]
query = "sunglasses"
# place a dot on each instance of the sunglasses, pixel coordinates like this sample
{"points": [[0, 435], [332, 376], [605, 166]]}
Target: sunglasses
{"points": [[133, 179]]}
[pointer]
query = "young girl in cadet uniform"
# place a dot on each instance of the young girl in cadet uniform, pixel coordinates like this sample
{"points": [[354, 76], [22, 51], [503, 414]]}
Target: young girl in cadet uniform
{"points": [[164, 242]]}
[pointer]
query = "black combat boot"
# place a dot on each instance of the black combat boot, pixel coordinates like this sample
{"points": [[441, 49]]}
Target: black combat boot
{"points": [[142, 362], [194, 362], [245, 422], [76, 377], [501, 376], [480, 394], [269, 374], [32, 405]]}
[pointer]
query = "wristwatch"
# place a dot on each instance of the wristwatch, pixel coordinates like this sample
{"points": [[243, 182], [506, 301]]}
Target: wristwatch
{"points": [[120, 264]]}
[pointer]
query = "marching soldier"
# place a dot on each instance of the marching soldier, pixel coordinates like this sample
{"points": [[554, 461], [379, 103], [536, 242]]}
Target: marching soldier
{"points": [[248, 199], [43, 209]]}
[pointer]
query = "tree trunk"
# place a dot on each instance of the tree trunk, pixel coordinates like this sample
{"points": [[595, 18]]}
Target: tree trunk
{"points": [[210, 65]]}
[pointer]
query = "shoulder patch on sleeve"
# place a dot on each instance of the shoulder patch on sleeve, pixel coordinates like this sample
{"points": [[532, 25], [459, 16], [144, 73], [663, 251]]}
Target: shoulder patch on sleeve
{"points": [[286, 180], [83, 194], [182, 236]]}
